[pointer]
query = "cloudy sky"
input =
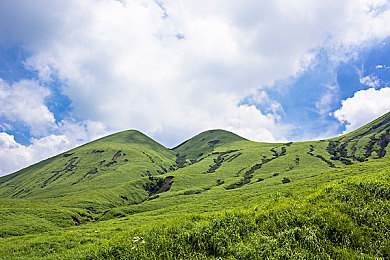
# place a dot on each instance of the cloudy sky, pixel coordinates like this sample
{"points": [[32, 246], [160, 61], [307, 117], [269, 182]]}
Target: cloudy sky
{"points": [[281, 70]]}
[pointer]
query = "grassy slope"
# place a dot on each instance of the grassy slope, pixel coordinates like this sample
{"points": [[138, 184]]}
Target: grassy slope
{"points": [[205, 142], [368, 142], [214, 171], [118, 184], [340, 214], [21, 217]]}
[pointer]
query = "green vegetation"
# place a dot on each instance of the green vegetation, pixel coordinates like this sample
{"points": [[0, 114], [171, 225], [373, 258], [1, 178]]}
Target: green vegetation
{"points": [[216, 196]]}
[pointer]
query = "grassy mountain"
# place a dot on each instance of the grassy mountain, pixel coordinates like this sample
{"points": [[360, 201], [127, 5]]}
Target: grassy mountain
{"points": [[109, 172], [215, 195], [368, 142], [205, 142]]}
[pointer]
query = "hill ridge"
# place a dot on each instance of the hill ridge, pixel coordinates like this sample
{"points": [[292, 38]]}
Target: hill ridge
{"points": [[206, 142], [126, 180]]}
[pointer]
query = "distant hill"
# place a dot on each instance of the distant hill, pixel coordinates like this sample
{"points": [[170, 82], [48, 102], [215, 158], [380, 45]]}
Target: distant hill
{"points": [[127, 179], [205, 142], [94, 174], [368, 142]]}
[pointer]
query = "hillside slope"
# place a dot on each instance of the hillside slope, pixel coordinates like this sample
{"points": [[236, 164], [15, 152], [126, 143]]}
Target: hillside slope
{"points": [[205, 142], [129, 175], [368, 142], [341, 214], [107, 172]]}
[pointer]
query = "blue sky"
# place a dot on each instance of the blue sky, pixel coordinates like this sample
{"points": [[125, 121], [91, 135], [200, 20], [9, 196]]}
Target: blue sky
{"points": [[274, 71]]}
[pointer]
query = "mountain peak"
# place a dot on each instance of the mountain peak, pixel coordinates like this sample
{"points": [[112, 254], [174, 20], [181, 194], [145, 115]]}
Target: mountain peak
{"points": [[128, 136], [205, 142]]}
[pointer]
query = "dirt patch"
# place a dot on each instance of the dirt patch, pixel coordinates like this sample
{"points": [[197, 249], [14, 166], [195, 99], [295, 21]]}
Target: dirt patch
{"points": [[167, 185], [70, 166], [231, 158], [88, 173], [57, 174], [91, 172], [110, 163], [310, 152], [248, 175], [76, 221], [116, 155], [220, 159], [158, 185], [49, 179]]}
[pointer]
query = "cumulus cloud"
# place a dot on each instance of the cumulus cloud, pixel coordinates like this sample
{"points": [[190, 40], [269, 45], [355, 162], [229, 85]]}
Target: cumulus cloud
{"points": [[181, 66], [14, 156], [249, 122], [262, 99], [24, 101], [125, 66], [363, 107]]}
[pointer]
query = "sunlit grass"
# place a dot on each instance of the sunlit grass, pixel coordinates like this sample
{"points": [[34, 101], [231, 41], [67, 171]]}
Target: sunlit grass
{"points": [[227, 200]]}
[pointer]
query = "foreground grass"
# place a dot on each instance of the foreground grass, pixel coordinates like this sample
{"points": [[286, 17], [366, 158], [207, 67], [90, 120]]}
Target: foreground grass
{"points": [[216, 196], [346, 218]]}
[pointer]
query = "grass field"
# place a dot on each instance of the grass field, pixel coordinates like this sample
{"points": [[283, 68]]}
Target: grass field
{"points": [[216, 195]]}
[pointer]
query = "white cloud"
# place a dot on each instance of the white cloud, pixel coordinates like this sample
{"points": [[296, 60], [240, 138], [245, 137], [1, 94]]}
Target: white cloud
{"points": [[384, 67], [24, 101], [325, 102], [125, 67], [81, 132], [370, 81], [249, 122], [15, 156], [363, 107], [44, 64], [261, 98]]}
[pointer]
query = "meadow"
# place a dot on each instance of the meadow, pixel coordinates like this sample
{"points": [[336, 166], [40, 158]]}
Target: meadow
{"points": [[216, 196]]}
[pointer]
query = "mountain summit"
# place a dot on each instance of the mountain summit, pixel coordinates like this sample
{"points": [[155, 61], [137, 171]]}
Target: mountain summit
{"points": [[319, 191], [205, 142]]}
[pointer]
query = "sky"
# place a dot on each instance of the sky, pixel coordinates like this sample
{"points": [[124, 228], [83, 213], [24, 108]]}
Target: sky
{"points": [[72, 71]]}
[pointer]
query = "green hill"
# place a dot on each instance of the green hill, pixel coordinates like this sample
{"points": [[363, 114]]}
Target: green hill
{"points": [[215, 195], [108, 172], [205, 142]]}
